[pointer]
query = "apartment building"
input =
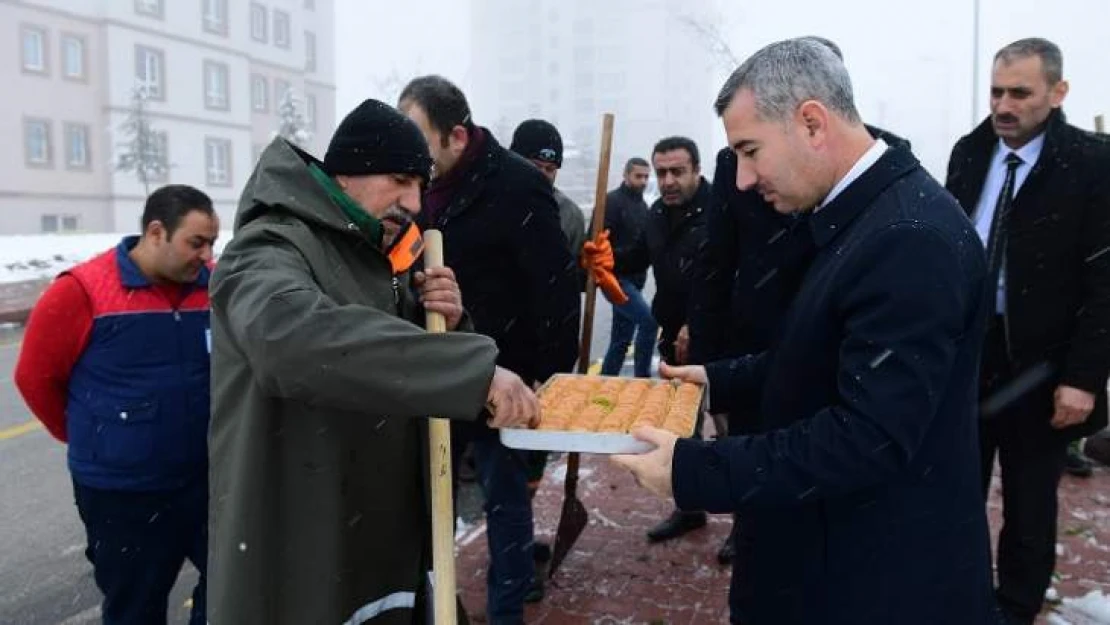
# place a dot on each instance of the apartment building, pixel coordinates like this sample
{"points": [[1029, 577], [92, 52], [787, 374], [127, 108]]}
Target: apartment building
{"points": [[569, 61], [215, 72]]}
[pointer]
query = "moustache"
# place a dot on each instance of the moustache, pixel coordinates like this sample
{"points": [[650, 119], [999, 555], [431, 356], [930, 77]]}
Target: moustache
{"points": [[1006, 118], [397, 215]]}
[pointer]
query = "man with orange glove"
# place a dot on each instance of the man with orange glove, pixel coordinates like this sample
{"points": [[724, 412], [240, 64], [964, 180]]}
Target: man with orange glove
{"points": [[597, 258], [626, 216], [540, 143]]}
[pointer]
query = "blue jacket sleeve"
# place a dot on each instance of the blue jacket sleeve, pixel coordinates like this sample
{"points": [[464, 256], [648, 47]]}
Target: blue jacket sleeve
{"points": [[906, 307]]}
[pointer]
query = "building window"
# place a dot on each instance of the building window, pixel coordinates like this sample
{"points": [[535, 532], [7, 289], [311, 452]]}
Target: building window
{"points": [[260, 94], [150, 8], [215, 16], [215, 86], [310, 5], [73, 57], [59, 223], [77, 146], [309, 51], [36, 143], [310, 110], [150, 71], [34, 50], [258, 22], [281, 29], [217, 160]]}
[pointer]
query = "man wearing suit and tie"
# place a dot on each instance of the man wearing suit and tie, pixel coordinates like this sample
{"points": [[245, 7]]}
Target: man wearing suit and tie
{"points": [[1038, 192]]}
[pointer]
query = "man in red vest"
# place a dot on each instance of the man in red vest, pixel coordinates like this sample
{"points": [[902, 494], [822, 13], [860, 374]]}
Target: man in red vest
{"points": [[115, 363]]}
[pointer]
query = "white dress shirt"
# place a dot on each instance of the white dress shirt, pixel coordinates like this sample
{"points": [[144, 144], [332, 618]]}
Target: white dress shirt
{"points": [[869, 158], [992, 186]]}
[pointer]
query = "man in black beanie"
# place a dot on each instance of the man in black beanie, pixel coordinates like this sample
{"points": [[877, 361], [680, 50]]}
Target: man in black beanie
{"points": [[501, 234], [539, 142], [322, 377]]}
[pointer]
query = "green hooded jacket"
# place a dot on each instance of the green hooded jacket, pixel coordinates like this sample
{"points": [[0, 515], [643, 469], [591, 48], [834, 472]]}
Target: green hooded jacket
{"points": [[322, 379]]}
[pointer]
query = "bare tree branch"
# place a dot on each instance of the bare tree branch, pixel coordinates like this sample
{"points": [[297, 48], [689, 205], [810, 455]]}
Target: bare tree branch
{"points": [[712, 38]]}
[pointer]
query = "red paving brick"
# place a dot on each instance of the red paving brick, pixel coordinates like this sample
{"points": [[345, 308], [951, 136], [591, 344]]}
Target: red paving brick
{"points": [[613, 576]]}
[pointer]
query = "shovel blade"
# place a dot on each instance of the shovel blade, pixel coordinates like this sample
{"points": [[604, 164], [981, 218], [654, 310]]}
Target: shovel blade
{"points": [[572, 522], [572, 519]]}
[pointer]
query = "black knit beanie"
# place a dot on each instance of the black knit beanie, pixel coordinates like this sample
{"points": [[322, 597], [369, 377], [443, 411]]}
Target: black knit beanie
{"points": [[535, 138], [376, 138]]}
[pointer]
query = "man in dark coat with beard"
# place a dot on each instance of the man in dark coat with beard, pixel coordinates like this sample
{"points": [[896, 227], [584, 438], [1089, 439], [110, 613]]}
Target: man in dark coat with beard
{"points": [[671, 243], [501, 235]]}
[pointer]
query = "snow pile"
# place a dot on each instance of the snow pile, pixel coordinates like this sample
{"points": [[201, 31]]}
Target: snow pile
{"points": [[39, 256], [1094, 605]]}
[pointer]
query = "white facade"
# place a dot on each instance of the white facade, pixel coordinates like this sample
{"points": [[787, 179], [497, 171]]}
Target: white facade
{"points": [[199, 58], [571, 61]]}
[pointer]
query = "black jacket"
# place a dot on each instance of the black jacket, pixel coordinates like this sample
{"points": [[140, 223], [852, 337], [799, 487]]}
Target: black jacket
{"points": [[501, 236], [862, 499], [1057, 265], [673, 248], [753, 266], [626, 214]]}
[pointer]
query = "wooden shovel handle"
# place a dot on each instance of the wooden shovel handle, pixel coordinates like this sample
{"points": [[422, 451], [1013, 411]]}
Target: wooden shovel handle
{"points": [[597, 224], [439, 439]]}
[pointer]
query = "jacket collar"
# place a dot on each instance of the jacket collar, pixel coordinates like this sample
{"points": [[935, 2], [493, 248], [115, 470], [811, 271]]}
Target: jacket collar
{"points": [[983, 139], [366, 223], [695, 205], [132, 277], [627, 190], [837, 215], [474, 177], [981, 144]]}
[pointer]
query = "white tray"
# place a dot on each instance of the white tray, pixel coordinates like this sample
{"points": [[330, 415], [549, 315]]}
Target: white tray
{"points": [[578, 441], [585, 442]]}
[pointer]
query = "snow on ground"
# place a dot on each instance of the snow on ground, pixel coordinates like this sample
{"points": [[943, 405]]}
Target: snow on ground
{"points": [[1094, 605], [1090, 609], [37, 256]]}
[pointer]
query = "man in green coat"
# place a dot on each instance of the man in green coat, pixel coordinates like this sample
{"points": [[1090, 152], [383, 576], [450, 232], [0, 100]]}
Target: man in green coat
{"points": [[321, 378]]}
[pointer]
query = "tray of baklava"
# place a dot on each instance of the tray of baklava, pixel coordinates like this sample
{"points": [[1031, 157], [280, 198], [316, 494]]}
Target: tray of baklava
{"points": [[596, 414]]}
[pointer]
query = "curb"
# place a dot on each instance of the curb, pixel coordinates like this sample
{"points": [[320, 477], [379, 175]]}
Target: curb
{"points": [[18, 298]]}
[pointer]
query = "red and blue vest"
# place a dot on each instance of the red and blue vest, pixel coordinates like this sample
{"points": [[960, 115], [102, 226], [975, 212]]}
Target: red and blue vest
{"points": [[137, 414]]}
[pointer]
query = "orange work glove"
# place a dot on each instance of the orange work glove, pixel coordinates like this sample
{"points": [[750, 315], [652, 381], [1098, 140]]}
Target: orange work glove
{"points": [[609, 286], [598, 253]]}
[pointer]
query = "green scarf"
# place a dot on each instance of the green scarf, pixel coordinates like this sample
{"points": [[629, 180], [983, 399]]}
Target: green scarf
{"points": [[367, 223]]}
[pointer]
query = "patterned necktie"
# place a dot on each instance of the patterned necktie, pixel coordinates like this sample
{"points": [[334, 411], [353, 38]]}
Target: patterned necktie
{"points": [[996, 245]]}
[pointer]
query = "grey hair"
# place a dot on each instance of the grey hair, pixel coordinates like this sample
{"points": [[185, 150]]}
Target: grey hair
{"points": [[785, 74], [828, 43], [1052, 59]]}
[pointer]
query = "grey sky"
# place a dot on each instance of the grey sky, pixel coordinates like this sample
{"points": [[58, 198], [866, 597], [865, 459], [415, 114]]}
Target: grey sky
{"points": [[911, 62]]}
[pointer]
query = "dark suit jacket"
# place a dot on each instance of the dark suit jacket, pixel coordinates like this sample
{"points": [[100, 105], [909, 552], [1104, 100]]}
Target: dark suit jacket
{"points": [[1057, 265], [862, 498], [752, 266]]}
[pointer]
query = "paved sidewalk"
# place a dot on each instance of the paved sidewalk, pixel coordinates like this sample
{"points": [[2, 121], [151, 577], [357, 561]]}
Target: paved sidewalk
{"points": [[613, 576]]}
